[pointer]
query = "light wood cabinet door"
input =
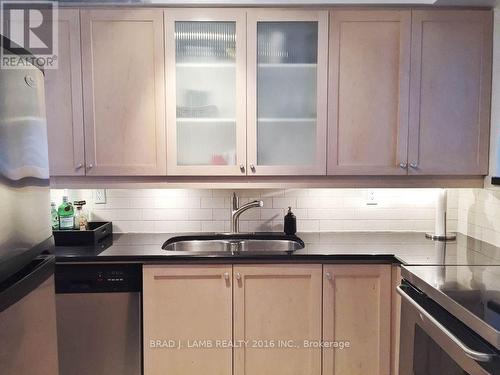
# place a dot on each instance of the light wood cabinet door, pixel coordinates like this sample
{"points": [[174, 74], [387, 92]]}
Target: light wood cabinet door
{"points": [[64, 103], [368, 92], [205, 59], [450, 92], [287, 59], [273, 303], [357, 309], [187, 303], [124, 91]]}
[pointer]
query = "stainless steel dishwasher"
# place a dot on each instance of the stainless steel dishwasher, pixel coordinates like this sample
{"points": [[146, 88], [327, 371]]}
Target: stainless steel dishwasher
{"points": [[99, 323]]}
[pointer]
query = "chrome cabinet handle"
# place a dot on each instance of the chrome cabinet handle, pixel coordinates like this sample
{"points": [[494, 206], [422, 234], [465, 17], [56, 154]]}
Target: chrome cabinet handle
{"points": [[226, 275], [328, 275], [90, 166], [414, 165], [238, 276], [471, 353], [403, 165], [252, 167], [242, 168], [79, 166]]}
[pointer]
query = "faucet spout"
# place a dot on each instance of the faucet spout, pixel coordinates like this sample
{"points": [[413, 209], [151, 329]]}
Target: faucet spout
{"points": [[237, 211]]}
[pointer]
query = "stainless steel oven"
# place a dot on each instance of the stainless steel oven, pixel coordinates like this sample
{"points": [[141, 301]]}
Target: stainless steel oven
{"points": [[434, 341]]}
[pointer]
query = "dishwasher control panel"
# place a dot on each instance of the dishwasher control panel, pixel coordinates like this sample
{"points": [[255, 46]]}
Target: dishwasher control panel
{"points": [[98, 278]]}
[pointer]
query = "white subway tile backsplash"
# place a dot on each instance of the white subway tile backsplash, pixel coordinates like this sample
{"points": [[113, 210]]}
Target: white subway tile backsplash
{"points": [[152, 214], [132, 226], [141, 202], [193, 210], [214, 226], [117, 214], [117, 202], [272, 213], [331, 225], [173, 226], [215, 202], [285, 202], [200, 214], [477, 213], [221, 214], [307, 225], [178, 202]]}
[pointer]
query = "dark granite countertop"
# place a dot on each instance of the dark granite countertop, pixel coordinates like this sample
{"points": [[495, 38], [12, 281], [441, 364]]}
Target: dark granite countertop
{"points": [[411, 248]]}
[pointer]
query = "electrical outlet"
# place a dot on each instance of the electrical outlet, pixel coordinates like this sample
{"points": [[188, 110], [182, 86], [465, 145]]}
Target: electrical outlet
{"points": [[100, 196], [371, 198]]}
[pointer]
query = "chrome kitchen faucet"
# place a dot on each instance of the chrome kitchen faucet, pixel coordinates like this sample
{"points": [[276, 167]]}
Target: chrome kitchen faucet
{"points": [[236, 211]]}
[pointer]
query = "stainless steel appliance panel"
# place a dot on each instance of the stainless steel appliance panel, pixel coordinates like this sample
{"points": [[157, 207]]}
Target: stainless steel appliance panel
{"points": [[433, 342], [99, 319], [99, 333], [24, 168]]}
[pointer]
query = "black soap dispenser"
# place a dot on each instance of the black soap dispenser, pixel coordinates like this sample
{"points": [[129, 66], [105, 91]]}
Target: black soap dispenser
{"points": [[290, 224]]}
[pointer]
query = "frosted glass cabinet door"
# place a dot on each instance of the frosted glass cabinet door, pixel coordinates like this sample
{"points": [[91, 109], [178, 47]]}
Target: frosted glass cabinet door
{"points": [[287, 92], [205, 75]]}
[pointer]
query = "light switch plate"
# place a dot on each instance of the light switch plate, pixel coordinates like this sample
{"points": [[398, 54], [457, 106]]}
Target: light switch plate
{"points": [[371, 198], [100, 196]]}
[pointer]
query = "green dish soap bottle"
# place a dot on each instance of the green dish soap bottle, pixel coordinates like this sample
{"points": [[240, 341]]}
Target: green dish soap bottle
{"points": [[66, 215]]}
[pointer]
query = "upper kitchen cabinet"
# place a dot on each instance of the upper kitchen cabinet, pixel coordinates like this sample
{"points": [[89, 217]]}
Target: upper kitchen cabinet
{"points": [[64, 103], [287, 92], [206, 84], [368, 92], [124, 92], [450, 92]]}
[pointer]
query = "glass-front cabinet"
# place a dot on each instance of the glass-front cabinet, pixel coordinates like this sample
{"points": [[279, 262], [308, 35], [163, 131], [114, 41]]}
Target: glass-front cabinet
{"points": [[205, 80], [246, 92], [287, 92]]}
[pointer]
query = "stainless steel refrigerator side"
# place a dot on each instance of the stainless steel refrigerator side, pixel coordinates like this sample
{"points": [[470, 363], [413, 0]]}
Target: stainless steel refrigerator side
{"points": [[28, 335], [25, 228]]}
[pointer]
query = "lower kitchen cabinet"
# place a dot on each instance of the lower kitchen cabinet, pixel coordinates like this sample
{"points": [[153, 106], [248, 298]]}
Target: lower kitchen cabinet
{"points": [[357, 309], [185, 307], [267, 319], [274, 304]]}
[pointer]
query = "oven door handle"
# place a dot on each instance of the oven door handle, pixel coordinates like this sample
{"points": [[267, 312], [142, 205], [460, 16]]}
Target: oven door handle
{"points": [[471, 353]]}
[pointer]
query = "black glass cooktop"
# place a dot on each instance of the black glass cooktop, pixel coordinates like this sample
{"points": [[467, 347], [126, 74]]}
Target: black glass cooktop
{"points": [[471, 293]]}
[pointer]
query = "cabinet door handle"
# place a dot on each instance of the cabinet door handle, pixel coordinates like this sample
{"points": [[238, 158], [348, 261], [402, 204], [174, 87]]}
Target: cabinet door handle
{"points": [[403, 165], [413, 165], [238, 276], [252, 168], [79, 166], [226, 275], [242, 168], [328, 275], [90, 166]]}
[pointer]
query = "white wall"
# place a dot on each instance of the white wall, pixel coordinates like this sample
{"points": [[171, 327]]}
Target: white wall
{"points": [[185, 210]]}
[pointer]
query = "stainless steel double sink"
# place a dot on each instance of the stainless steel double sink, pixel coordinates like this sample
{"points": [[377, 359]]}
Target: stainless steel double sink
{"points": [[234, 244]]}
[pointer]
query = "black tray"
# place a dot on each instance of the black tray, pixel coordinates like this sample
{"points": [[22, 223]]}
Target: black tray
{"points": [[98, 231]]}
